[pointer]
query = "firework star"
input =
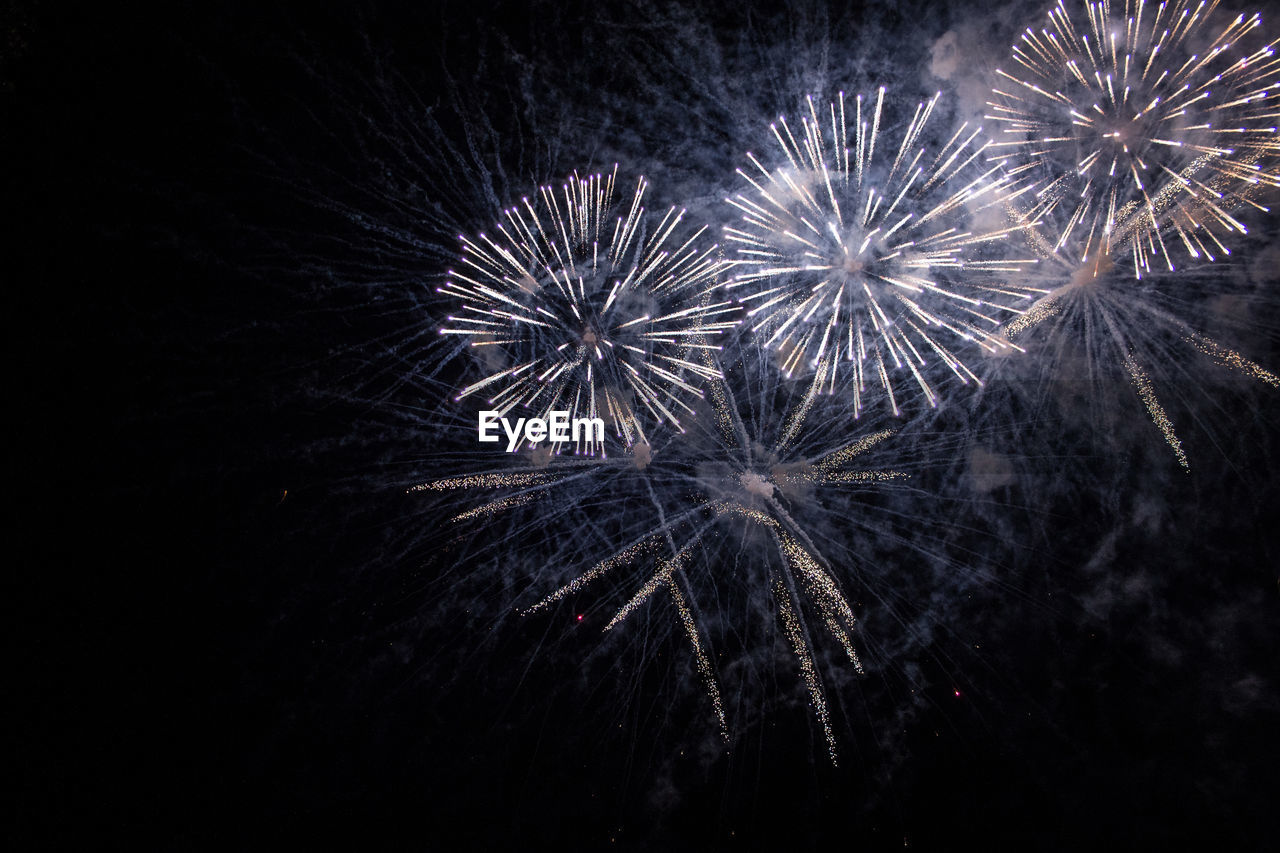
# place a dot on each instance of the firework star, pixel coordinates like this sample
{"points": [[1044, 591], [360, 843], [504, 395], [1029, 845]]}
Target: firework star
{"points": [[863, 252], [574, 310]]}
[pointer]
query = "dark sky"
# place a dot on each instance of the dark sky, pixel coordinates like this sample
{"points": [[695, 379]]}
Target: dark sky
{"points": [[226, 227]]}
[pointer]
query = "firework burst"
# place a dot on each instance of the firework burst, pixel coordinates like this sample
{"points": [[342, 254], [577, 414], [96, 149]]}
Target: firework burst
{"points": [[1102, 317], [733, 501], [1136, 122], [853, 254], [573, 311]]}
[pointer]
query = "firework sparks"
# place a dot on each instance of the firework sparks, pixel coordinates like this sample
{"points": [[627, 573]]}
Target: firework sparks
{"points": [[728, 475], [1158, 416], [1128, 124], [1199, 212], [601, 318], [1231, 359], [1114, 317], [849, 257]]}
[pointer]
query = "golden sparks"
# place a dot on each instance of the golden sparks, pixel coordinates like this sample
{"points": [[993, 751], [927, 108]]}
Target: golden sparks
{"points": [[496, 506], [755, 481], [1232, 359], [795, 632], [700, 654], [645, 547], [1158, 416], [486, 481]]}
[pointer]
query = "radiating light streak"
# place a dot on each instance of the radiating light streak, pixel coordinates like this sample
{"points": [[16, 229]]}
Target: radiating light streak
{"points": [[595, 316], [744, 476], [851, 254], [1140, 128]]}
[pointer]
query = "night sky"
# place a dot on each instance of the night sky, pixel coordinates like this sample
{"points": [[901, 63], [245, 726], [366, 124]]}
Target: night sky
{"points": [[226, 229]]}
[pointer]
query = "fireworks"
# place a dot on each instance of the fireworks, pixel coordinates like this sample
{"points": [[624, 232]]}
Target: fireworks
{"points": [[741, 475], [875, 253], [1112, 318], [573, 311], [1138, 128], [851, 252]]}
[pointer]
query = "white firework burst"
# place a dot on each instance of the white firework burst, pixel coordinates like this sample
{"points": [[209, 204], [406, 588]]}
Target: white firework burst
{"points": [[852, 254], [1135, 122], [575, 311]]}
